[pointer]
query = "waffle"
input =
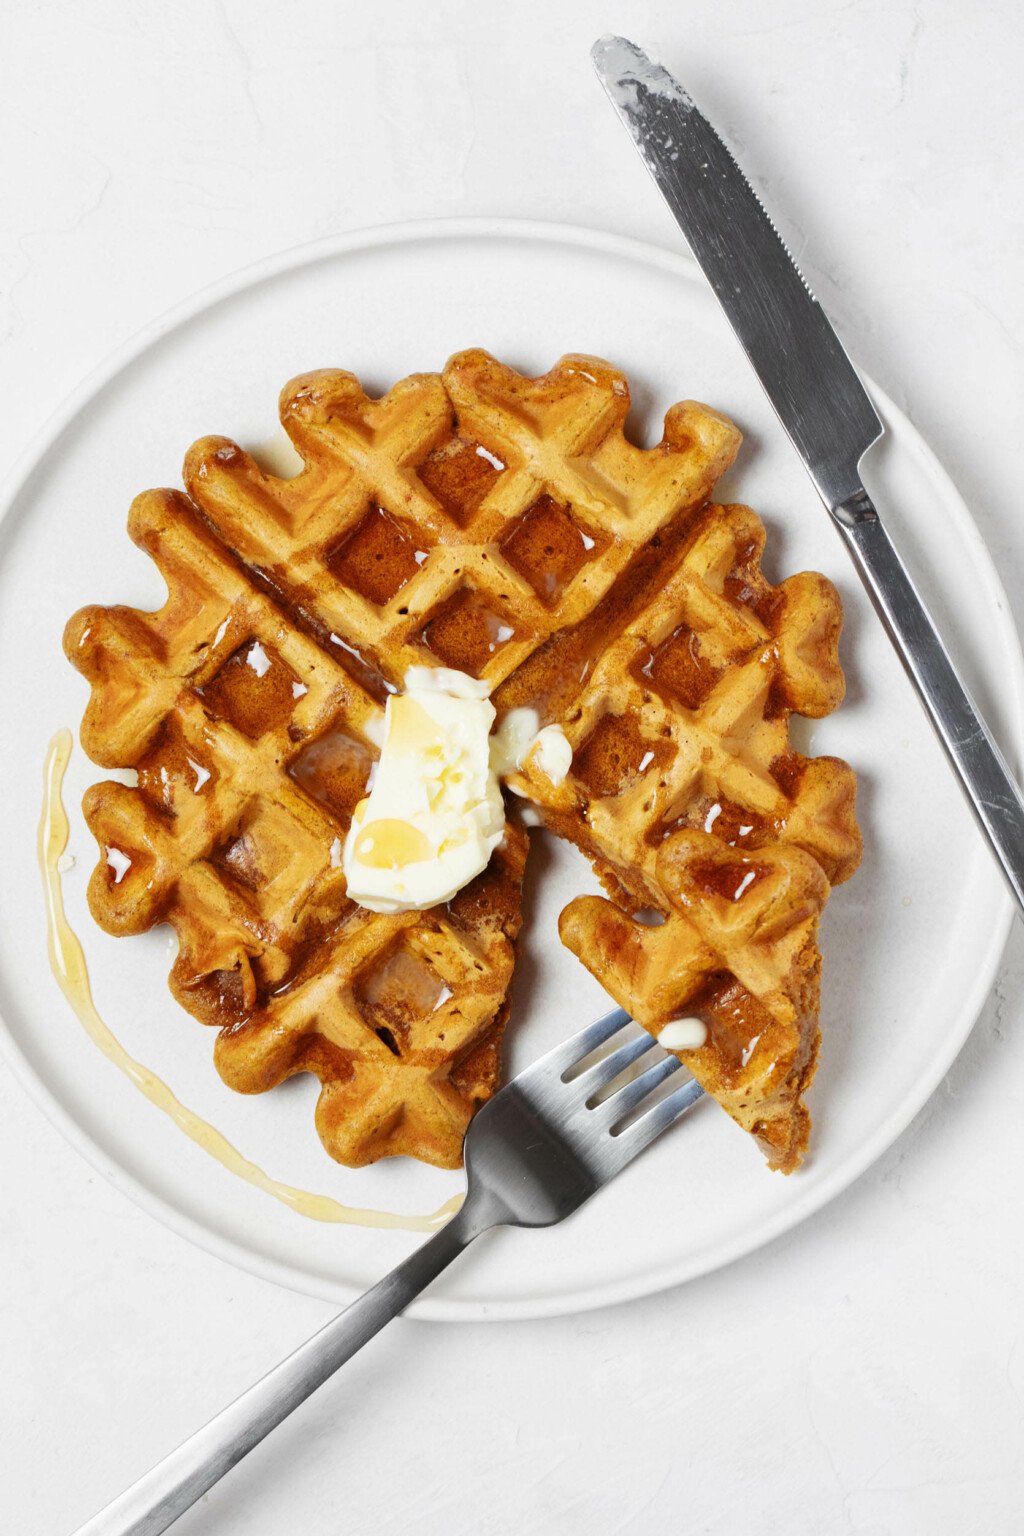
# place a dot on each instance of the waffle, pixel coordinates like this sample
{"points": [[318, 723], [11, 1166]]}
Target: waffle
{"points": [[462, 520], [738, 950], [676, 696]]}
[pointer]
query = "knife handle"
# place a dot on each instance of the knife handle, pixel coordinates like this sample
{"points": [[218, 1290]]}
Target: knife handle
{"points": [[985, 779]]}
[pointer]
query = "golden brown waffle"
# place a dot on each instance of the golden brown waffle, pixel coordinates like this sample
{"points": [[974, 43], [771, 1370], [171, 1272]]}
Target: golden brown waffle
{"points": [[252, 745], [431, 526], [737, 950], [462, 520], [676, 696]]}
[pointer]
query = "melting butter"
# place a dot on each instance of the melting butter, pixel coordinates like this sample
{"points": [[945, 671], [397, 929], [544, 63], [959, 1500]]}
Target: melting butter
{"points": [[434, 814], [520, 741], [683, 1035]]}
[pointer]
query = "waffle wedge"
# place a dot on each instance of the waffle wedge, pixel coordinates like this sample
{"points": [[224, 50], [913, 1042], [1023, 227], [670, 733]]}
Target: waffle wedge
{"points": [[738, 950], [676, 696], [465, 520]]}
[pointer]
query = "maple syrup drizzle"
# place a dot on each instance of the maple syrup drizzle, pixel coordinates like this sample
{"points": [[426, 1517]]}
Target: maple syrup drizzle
{"points": [[68, 963]]}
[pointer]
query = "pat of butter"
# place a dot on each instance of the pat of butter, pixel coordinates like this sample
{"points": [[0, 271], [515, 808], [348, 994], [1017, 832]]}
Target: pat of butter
{"points": [[434, 814], [683, 1035], [520, 740]]}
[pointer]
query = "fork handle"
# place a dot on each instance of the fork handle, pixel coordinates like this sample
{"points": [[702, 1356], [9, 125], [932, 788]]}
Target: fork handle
{"points": [[985, 779], [174, 1484]]}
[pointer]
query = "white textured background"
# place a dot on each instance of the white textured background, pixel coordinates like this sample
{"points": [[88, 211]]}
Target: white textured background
{"points": [[863, 1375]]}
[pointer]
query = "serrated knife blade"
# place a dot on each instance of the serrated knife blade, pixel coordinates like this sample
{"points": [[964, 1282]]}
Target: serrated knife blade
{"points": [[817, 396], [785, 333]]}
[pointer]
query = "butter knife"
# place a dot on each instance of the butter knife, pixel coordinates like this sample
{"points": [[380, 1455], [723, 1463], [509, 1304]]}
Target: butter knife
{"points": [[818, 397]]}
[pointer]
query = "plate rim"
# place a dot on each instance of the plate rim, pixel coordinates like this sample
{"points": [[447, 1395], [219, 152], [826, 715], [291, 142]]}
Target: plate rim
{"points": [[777, 1223]]}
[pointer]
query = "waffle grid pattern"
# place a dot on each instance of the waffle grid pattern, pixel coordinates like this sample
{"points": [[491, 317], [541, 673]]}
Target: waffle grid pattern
{"points": [[462, 520], [679, 722]]}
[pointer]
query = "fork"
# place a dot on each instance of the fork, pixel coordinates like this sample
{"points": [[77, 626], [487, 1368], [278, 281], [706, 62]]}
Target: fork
{"points": [[534, 1154]]}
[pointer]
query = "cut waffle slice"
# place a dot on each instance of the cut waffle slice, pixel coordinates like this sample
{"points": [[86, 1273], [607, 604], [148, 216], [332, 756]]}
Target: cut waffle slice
{"points": [[676, 696], [252, 745], [461, 520], [738, 951]]}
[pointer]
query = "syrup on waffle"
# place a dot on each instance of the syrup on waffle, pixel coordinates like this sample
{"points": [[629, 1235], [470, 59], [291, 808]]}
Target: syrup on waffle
{"points": [[737, 949], [462, 520], [676, 696]]}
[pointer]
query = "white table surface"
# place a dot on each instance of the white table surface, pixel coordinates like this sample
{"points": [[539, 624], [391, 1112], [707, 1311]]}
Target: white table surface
{"points": [[864, 1374]]}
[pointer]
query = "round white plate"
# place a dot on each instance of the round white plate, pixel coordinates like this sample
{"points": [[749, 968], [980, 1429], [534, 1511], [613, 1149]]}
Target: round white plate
{"points": [[911, 945]]}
